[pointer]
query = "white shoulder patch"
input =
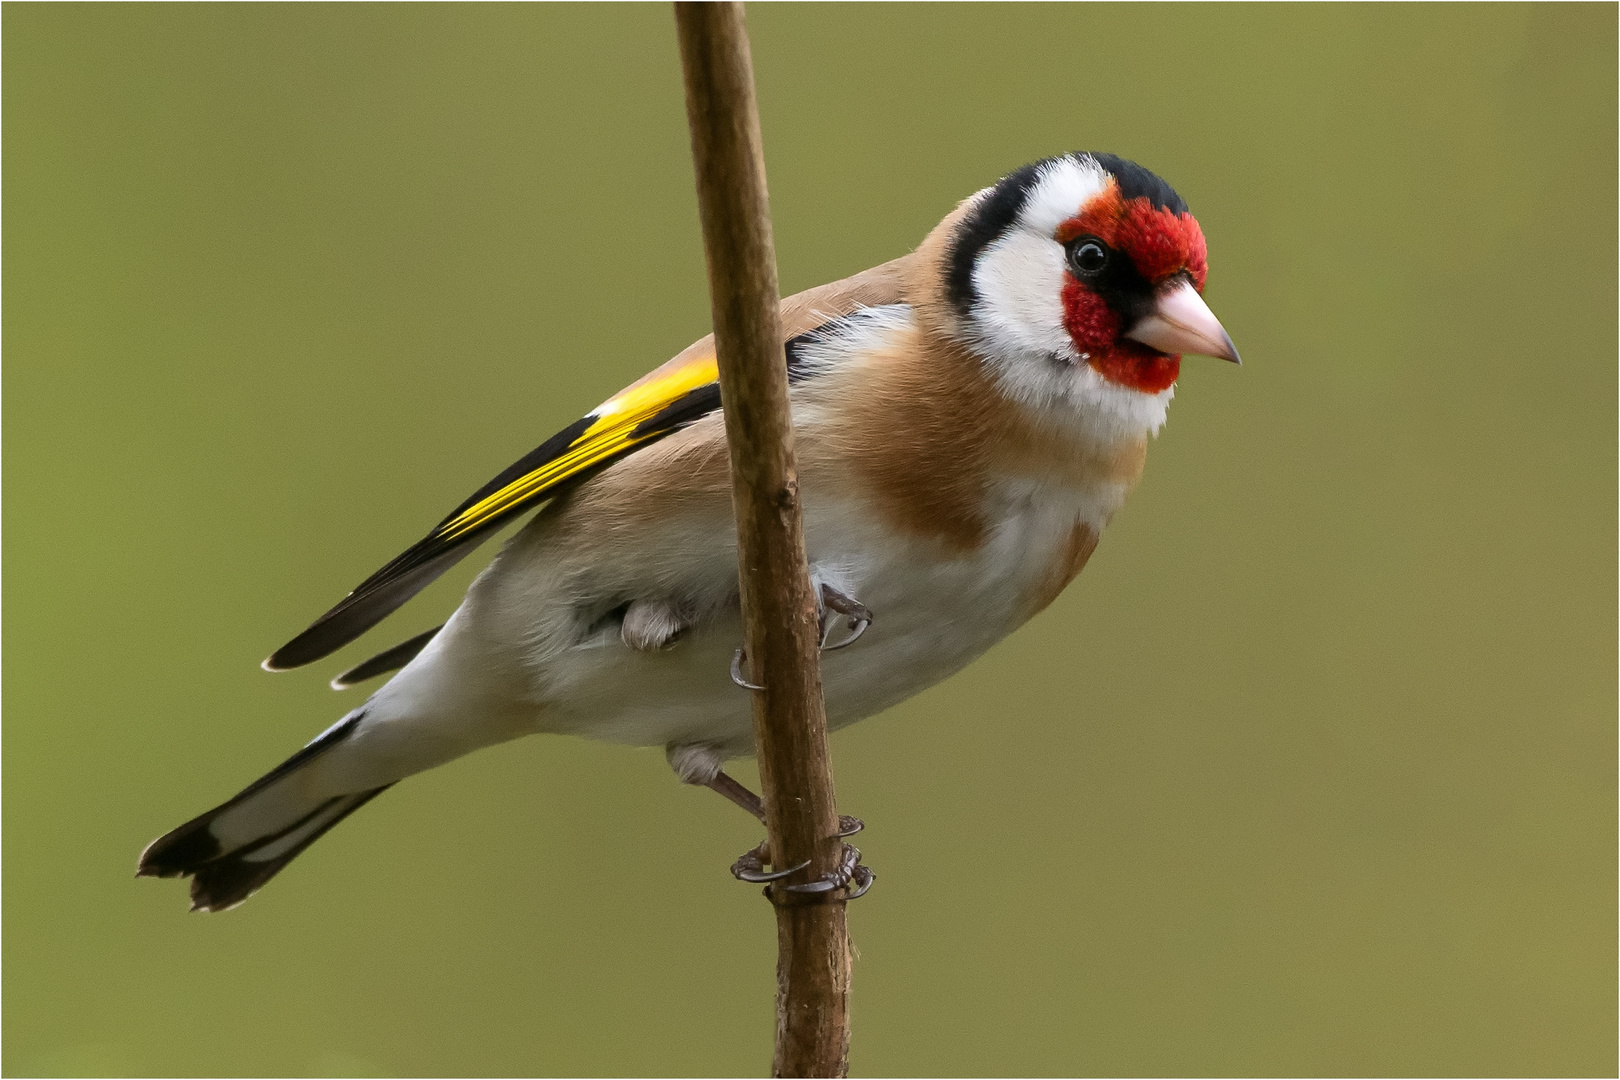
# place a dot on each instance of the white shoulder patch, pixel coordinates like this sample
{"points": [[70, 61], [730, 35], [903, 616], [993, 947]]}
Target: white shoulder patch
{"points": [[861, 331]]}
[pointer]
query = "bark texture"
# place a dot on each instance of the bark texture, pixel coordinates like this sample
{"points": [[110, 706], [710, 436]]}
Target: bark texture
{"points": [[779, 608]]}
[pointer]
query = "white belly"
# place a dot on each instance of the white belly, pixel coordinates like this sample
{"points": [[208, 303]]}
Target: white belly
{"points": [[933, 615]]}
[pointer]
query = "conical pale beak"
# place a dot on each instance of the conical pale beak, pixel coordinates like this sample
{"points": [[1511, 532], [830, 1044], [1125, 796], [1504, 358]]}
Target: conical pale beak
{"points": [[1182, 323]]}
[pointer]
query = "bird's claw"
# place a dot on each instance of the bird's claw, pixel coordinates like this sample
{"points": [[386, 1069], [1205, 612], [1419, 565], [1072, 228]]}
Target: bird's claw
{"points": [[848, 826], [737, 659], [858, 614], [863, 880], [751, 867]]}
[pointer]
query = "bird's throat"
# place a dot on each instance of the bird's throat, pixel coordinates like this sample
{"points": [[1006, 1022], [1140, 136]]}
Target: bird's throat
{"points": [[1094, 327], [1145, 370]]}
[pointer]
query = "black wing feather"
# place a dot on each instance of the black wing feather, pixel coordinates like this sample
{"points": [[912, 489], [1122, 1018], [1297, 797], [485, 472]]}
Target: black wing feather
{"points": [[385, 591], [384, 662]]}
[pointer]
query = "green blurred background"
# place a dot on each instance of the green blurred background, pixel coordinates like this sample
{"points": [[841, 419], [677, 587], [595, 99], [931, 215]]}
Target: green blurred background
{"points": [[1312, 771]]}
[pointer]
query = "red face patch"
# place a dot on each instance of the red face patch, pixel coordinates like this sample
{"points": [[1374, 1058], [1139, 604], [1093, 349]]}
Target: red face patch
{"points": [[1160, 244], [1094, 327]]}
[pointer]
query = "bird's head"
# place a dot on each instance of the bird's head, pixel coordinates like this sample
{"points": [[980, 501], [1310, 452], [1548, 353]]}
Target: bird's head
{"points": [[1081, 271]]}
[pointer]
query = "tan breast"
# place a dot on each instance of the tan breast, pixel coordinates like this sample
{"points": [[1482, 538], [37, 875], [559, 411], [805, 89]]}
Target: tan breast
{"points": [[918, 427]]}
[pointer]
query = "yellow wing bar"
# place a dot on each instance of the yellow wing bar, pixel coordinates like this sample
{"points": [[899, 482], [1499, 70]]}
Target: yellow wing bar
{"points": [[668, 399], [617, 425]]}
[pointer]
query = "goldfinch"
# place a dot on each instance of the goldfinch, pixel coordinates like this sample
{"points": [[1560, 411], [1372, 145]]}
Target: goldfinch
{"points": [[967, 418]]}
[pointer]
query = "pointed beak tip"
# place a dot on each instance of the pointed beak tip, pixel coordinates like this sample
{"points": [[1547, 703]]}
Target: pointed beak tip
{"points": [[1231, 352], [1182, 323]]}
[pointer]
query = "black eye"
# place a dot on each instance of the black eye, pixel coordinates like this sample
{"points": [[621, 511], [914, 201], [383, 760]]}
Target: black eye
{"points": [[1087, 256]]}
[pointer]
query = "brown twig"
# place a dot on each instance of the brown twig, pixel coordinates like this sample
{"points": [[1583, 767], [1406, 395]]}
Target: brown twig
{"points": [[779, 609]]}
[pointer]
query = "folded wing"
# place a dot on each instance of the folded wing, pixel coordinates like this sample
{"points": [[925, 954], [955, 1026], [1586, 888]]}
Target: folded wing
{"points": [[668, 399]]}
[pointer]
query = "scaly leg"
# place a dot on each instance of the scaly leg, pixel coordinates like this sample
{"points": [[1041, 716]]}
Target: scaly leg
{"points": [[751, 866]]}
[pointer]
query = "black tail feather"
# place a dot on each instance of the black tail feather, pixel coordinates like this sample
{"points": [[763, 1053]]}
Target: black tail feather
{"points": [[222, 879], [222, 883]]}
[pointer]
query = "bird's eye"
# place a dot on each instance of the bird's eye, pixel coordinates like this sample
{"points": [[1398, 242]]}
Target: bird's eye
{"points": [[1087, 256]]}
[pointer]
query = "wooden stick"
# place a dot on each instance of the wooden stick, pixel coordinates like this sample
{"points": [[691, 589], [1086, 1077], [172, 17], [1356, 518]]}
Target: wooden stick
{"points": [[779, 609]]}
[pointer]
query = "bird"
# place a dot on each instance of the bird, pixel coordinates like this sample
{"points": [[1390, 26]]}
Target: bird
{"points": [[967, 418]]}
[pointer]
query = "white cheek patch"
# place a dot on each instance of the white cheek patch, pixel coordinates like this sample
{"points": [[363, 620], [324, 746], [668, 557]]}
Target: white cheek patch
{"points": [[1019, 278], [1019, 282], [1017, 321]]}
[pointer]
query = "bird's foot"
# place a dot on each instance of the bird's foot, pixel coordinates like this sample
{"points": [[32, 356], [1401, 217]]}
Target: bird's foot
{"points": [[849, 873], [751, 866], [835, 606]]}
